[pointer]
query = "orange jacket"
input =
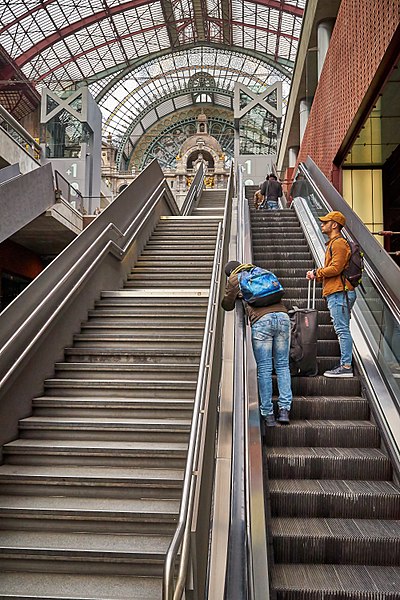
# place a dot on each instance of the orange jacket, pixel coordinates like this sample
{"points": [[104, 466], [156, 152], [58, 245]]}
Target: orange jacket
{"points": [[336, 260]]}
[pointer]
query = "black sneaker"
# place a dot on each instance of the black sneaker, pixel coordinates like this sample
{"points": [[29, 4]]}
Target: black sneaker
{"points": [[283, 416], [340, 371], [269, 420]]}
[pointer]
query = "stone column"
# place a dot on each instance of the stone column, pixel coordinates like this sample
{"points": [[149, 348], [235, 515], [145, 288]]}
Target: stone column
{"points": [[324, 33], [304, 113], [293, 152]]}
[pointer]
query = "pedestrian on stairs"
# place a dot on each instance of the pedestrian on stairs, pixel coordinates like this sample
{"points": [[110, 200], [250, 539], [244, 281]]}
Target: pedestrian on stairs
{"points": [[339, 293], [271, 189], [270, 335]]}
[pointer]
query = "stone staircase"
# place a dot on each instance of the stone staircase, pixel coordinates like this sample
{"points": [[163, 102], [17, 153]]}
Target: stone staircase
{"points": [[211, 203], [334, 500], [90, 490]]}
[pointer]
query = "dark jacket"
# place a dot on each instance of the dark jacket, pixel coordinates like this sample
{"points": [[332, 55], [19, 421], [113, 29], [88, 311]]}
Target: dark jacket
{"points": [[232, 292], [272, 190]]}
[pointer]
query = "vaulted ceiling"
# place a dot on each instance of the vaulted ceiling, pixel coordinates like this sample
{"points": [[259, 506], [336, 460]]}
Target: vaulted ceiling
{"points": [[144, 59]]}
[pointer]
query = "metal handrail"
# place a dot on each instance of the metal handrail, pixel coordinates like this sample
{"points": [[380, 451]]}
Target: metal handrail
{"points": [[49, 292], [181, 537], [379, 386], [70, 190], [111, 246], [193, 192], [252, 581], [19, 129], [377, 257], [379, 266]]}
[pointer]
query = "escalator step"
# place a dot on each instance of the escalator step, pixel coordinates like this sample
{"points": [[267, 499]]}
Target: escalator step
{"points": [[334, 498], [335, 582], [336, 434], [330, 463], [353, 541]]}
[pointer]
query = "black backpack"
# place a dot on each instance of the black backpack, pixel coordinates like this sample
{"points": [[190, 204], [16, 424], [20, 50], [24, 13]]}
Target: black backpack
{"points": [[353, 272]]}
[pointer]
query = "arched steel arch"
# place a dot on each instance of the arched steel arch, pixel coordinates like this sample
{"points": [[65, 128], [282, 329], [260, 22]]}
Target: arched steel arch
{"points": [[180, 122], [110, 11], [154, 106], [282, 65]]}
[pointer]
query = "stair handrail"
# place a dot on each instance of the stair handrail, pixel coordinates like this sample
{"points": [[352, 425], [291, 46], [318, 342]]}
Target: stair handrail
{"points": [[194, 192], [173, 590], [31, 314], [247, 518]]}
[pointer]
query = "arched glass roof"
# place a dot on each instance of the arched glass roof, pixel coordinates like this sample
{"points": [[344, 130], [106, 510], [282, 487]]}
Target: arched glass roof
{"points": [[134, 54]]}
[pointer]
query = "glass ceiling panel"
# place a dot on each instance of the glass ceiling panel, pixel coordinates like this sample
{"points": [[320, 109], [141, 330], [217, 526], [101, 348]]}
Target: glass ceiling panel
{"points": [[66, 43], [138, 89]]}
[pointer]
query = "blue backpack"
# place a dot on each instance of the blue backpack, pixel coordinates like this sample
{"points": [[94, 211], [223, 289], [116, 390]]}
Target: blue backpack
{"points": [[259, 287]]}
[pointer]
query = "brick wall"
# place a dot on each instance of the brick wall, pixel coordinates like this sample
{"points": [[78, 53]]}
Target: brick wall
{"points": [[360, 39]]}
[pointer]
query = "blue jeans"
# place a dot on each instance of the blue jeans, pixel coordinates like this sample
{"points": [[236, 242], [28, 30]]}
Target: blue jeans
{"points": [[270, 337], [273, 204], [340, 316]]}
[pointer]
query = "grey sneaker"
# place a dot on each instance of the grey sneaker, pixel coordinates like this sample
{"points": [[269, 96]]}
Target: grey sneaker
{"points": [[269, 420], [283, 416], [340, 371]]}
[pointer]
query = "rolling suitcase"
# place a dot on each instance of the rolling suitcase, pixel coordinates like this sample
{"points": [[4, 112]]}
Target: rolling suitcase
{"points": [[303, 343]]}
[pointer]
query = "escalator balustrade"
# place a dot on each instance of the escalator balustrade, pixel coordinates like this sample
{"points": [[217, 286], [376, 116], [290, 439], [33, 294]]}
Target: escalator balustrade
{"points": [[334, 499]]}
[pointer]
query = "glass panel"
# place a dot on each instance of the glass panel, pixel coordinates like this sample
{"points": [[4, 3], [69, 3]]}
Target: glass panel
{"points": [[381, 324]]}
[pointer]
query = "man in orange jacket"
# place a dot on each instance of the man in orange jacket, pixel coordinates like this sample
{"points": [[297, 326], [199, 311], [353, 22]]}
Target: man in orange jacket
{"points": [[339, 293]]}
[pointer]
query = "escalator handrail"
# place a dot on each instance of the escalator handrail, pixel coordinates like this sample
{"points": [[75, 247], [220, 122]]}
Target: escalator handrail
{"points": [[383, 397], [194, 192], [17, 127], [29, 316], [247, 532], [377, 258], [181, 538]]}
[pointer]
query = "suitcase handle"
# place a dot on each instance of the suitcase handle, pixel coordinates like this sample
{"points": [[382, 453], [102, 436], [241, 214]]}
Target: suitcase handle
{"points": [[309, 294]]}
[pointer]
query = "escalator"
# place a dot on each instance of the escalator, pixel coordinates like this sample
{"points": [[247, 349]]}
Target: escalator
{"points": [[91, 488], [334, 497]]}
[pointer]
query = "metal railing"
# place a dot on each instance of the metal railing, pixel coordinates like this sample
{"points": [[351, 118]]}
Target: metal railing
{"points": [[194, 192], [247, 564], [180, 547], [67, 192], [19, 134], [61, 294]]}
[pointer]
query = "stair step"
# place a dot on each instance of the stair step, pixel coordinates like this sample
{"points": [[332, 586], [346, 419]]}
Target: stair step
{"points": [[166, 280], [155, 355], [334, 498], [352, 541], [124, 316], [129, 371], [158, 342], [97, 428], [144, 327], [66, 586], [88, 514], [331, 462], [319, 433], [128, 554], [344, 582], [113, 407], [90, 482], [146, 454], [122, 388]]}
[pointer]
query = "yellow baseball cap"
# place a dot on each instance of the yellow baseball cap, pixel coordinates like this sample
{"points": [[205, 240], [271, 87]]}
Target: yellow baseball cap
{"points": [[335, 215]]}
